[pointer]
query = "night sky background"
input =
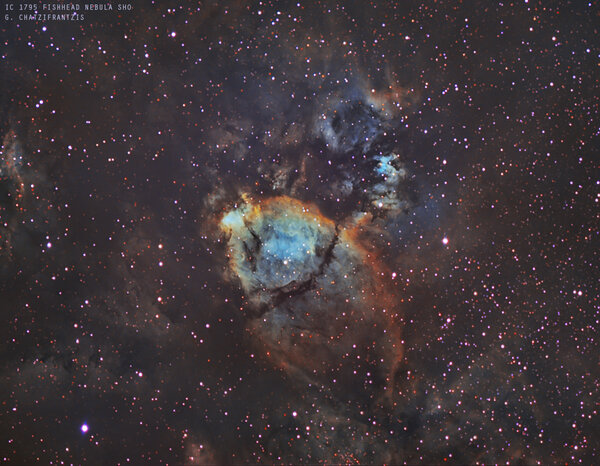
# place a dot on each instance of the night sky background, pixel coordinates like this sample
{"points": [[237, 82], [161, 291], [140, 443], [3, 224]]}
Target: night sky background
{"points": [[301, 232]]}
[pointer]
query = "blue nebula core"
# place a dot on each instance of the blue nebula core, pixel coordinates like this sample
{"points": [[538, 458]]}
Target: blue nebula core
{"points": [[277, 244]]}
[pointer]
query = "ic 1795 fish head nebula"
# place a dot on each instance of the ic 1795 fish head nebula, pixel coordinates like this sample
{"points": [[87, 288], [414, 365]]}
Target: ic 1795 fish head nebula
{"points": [[323, 310]]}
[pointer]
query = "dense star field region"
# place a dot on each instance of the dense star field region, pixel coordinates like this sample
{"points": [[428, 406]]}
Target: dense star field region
{"points": [[306, 232]]}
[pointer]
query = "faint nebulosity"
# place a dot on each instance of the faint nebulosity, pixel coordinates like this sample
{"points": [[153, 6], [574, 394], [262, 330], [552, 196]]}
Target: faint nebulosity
{"points": [[301, 233]]}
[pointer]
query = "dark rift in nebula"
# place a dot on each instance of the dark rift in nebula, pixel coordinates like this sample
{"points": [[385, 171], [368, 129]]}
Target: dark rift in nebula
{"points": [[318, 294]]}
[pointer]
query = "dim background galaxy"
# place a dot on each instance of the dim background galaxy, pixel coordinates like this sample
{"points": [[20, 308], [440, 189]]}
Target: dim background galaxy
{"points": [[301, 233]]}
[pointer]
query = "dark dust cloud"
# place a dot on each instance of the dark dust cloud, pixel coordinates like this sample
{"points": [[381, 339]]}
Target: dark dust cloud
{"points": [[301, 233]]}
